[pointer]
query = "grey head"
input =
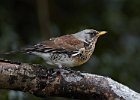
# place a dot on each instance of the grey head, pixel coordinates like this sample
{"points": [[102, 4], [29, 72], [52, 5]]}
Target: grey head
{"points": [[87, 35]]}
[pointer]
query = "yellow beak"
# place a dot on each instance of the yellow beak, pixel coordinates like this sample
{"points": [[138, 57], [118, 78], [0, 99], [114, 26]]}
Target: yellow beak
{"points": [[101, 33]]}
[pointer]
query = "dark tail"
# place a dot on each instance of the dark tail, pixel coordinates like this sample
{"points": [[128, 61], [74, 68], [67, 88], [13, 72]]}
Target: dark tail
{"points": [[25, 50]]}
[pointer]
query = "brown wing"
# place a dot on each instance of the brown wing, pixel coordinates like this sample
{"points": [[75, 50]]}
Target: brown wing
{"points": [[64, 43]]}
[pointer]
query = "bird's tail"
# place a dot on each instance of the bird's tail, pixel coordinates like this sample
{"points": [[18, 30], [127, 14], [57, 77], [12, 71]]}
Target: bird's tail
{"points": [[24, 50]]}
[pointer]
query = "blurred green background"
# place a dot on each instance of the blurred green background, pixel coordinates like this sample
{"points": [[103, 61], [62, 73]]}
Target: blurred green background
{"points": [[117, 54]]}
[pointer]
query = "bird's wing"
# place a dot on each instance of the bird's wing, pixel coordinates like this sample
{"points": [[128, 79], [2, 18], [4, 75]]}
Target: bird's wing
{"points": [[67, 43]]}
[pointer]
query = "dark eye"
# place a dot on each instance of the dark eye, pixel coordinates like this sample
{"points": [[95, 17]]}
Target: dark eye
{"points": [[92, 34]]}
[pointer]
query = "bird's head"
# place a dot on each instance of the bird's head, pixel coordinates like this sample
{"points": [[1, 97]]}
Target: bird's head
{"points": [[88, 35]]}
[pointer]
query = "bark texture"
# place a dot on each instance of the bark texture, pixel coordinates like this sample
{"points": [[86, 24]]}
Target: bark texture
{"points": [[40, 81]]}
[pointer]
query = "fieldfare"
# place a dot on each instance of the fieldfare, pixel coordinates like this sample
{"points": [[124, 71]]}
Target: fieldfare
{"points": [[68, 50]]}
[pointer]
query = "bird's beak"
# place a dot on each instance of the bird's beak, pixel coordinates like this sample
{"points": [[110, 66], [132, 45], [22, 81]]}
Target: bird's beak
{"points": [[101, 33]]}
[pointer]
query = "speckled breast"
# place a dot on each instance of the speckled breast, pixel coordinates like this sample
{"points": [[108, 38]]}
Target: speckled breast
{"points": [[82, 58]]}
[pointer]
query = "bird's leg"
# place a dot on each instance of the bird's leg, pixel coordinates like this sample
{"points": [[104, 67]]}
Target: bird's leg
{"points": [[58, 70], [62, 67], [65, 68]]}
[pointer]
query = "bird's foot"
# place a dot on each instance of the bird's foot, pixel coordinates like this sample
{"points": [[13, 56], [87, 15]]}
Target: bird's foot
{"points": [[73, 71], [79, 74], [68, 68]]}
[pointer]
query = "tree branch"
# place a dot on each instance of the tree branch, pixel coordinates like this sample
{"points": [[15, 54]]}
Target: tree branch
{"points": [[40, 81]]}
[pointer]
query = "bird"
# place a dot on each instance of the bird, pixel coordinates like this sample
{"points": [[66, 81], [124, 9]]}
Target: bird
{"points": [[68, 50]]}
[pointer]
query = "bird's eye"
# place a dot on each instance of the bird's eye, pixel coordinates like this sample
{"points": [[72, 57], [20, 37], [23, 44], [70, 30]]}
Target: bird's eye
{"points": [[92, 34]]}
